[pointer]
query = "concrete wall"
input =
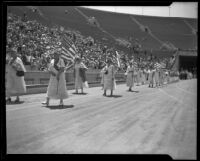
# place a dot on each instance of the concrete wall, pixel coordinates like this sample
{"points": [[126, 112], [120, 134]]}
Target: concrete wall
{"points": [[37, 81], [38, 77]]}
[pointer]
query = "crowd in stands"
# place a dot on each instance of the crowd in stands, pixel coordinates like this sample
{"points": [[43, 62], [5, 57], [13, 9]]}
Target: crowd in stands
{"points": [[35, 41]]}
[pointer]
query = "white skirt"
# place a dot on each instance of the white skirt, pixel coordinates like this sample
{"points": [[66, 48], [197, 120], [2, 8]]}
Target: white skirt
{"points": [[130, 80], [57, 89], [14, 85], [108, 83]]}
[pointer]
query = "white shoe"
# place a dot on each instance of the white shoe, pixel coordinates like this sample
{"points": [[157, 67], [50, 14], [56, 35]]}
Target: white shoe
{"points": [[45, 103]]}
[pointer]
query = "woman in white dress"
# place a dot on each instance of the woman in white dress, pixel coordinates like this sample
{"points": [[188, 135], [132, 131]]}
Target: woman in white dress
{"points": [[161, 77], [135, 74], [147, 74], [151, 77], [143, 76], [156, 77], [57, 85], [130, 76], [15, 84], [109, 82], [157, 74], [138, 76], [80, 75], [102, 79]]}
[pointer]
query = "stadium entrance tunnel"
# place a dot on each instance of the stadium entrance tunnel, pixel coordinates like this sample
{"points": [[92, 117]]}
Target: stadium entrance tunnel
{"points": [[187, 62]]}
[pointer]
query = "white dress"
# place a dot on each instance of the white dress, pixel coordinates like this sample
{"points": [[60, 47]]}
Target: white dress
{"points": [[139, 76], [78, 80], [143, 76], [148, 75], [130, 77], [156, 76], [15, 85], [57, 88], [152, 76], [102, 78], [109, 81]]}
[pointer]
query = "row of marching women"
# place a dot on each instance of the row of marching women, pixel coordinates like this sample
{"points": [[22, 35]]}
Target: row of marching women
{"points": [[15, 84], [158, 76]]}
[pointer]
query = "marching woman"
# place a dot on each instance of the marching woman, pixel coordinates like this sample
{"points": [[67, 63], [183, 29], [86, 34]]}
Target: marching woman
{"points": [[161, 77], [148, 73], [156, 76], [80, 75], [109, 77], [143, 76], [130, 76], [167, 76], [57, 85], [102, 79], [135, 74], [151, 77], [15, 84], [138, 78]]}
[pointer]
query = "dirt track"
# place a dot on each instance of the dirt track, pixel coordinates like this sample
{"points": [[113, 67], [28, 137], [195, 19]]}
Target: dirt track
{"points": [[151, 121]]}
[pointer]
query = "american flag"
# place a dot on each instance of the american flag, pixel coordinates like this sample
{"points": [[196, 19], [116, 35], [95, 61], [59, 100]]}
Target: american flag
{"points": [[68, 49], [157, 65], [135, 64], [163, 65], [118, 59]]}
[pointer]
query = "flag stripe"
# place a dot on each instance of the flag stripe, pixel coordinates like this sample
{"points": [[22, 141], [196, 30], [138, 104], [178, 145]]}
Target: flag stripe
{"points": [[66, 58], [67, 52], [68, 49], [71, 50], [66, 55]]}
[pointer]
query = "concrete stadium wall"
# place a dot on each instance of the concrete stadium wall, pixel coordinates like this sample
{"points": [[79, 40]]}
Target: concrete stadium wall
{"points": [[37, 81]]}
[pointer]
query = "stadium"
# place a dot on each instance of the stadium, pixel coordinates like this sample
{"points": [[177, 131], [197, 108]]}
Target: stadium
{"points": [[180, 32], [146, 121]]}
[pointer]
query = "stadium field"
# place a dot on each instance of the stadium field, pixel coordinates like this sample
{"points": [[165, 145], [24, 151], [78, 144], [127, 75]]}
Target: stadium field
{"points": [[146, 121]]}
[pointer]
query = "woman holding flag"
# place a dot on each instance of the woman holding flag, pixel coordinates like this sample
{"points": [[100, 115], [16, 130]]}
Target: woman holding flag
{"points": [[80, 75], [130, 76], [157, 67], [109, 77], [161, 76], [135, 73], [151, 76], [57, 84]]}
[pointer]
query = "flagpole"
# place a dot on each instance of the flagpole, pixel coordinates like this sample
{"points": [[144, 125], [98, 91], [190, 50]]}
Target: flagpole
{"points": [[112, 79]]}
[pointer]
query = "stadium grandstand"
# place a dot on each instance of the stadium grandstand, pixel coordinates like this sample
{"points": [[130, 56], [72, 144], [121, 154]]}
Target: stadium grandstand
{"points": [[159, 36]]}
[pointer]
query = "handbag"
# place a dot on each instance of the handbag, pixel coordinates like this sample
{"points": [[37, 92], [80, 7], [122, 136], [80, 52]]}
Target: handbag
{"points": [[106, 72], [20, 73]]}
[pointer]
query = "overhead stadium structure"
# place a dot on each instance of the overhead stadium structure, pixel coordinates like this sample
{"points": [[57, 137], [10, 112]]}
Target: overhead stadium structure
{"points": [[161, 36]]}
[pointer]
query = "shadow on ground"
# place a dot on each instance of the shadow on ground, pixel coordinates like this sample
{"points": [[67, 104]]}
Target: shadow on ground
{"points": [[14, 103], [54, 107], [114, 96], [79, 93], [133, 91]]}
